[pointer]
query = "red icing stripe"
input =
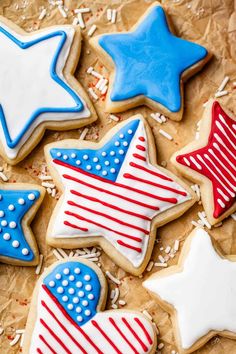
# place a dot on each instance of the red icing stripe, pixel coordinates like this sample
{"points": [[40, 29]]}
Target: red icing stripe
{"points": [[144, 330], [47, 344], [137, 156], [140, 147], [55, 336], [96, 325], [134, 334], [67, 223], [39, 351], [137, 249], [122, 335], [141, 138], [150, 171]]}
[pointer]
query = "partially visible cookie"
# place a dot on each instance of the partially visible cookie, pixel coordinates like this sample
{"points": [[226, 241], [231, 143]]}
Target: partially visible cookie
{"points": [[148, 65], [199, 293], [67, 315], [19, 203], [38, 90], [210, 161], [114, 194]]}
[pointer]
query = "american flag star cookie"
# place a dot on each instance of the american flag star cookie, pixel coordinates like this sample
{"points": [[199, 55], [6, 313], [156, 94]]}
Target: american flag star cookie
{"points": [[114, 194], [19, 203], [67, 315], [210, 161], [149, 64], [38, 89]]}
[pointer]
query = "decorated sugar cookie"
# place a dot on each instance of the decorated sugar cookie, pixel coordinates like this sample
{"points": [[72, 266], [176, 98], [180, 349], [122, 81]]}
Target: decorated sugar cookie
{"points": [[211, 161], [66, 316], [37, 88], [114, 194], [148, 65], [19, 203], [199, 293]]}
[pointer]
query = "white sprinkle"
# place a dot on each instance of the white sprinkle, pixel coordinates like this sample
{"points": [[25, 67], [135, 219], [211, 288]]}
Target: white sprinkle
{"points": [[53, 192], [81, 20], [83, 10], [20, 331], [62, 252], [109, 14], [163, 118], [122, 302], [111, 277], [156, 117], [104, 90], [75, 21], [112, 294], [57, 254], [116, 296], [103, 84], [45, 178], [83, 134], [160, 346], [150, 266], [194, 223], [233, 216], [95, 259], [156, 328], [165, 134], [42, 14], [162, 265], [114, 306], [3, 177], [88, 256], [90, 70], [161, 259], [113, 117], [221, 93], [39, 266], [15, 340], [99, 83], [204, 220], [167, 250], [92, 93], [48, 185], [79, 252], [113, 16], [176, 245], [49, 191], [223, 84], [1, 331], [62, 11], [92, 30], [147, 314]]}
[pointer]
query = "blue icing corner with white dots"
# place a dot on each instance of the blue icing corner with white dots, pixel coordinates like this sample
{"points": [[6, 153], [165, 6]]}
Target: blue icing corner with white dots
{"points": [[14, 204], [105, 162], [77, 288]]}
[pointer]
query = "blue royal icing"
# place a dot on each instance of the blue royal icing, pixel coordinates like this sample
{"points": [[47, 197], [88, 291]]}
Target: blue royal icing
{"points": [[150, 60], [77, 289], [105, 162], [79, 105], [14, 204]]}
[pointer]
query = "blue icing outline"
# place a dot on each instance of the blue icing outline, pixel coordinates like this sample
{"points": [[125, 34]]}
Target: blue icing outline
{"points": [[94, 282], [8, 197], [97, 153], [79, 105], [157, 72]]}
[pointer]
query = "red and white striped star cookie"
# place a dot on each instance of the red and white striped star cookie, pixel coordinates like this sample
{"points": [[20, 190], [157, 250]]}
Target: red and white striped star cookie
{"points": [[210, 161], [67, 317], [114, 194]]}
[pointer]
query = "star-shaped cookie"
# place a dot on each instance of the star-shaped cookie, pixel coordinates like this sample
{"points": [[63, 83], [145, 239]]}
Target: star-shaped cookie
{"points": [[18, 204], [199, 293], [148, 65], [67, 317], [37, 88], [114, 194], [211, 161]]}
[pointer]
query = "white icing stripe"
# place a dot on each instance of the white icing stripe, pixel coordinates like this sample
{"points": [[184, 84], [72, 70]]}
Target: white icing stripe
{"points": [[222, 164], [44, 91], [225, 135], [223, 194], [199, 167], [226, 125], [76, 338], [224, 156], [218, 138], [203, 293]]}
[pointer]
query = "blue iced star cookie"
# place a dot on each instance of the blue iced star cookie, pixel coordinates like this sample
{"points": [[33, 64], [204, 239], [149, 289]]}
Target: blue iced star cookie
{"points": [[18, 205], [149, 63]]}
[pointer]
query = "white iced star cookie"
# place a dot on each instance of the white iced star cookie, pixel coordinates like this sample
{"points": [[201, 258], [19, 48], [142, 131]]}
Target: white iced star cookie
{"points": [[199, 293], [37, 88], [114, 194]]}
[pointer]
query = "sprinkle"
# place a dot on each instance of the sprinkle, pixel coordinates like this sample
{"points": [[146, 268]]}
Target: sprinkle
{"points": [[223, 84], [233, 216], [150, 266], [79, 252], [156, 328], [99, 83], [92, 93], [221, 93], [62, 252], [112, 278], [112, 294], [194, 223], [161, 259], [147, 314], [92, 30], [22, 340], [75, 21], [163, 118], [103, 84], [116, 295], [104, 90], [113, 16], [57, 254], [53, 192], [162, 265], [90, 70], [1, 331], [161, 248], [20, 331], [81, 20], [161, 345], [71, 254], [165, 134], [48, 185], [109, 14], [122, 302], [62, 11], [87, 250], [39, 266], [49, 191], [15, 340], [204, 220], [3, 177], [83, 10], [42, 14], [156, 116], [90, 255], [45, 178], [167, 250], [83, 134], [113, 117], [114, 306]]}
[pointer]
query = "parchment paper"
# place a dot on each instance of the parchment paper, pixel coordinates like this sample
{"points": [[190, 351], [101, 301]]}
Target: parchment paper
{"points": [[212, 23]]}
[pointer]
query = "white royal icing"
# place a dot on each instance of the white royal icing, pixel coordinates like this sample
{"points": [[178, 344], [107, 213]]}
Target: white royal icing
{"points": [[203, 293]]}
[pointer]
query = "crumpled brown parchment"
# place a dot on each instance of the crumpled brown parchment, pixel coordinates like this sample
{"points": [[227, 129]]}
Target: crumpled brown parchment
{"points": [[212, 23]]}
